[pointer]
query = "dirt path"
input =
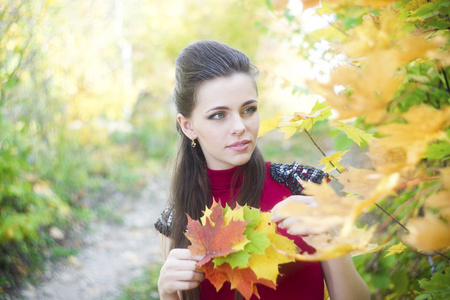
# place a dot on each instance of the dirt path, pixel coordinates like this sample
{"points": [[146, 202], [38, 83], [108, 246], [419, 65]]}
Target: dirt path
{"points": [[113, 253]]}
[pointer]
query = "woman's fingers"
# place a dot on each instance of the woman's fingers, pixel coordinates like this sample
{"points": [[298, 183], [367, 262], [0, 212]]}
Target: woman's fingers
{"points": [[180, 272], [184, 254], [307, 200]]}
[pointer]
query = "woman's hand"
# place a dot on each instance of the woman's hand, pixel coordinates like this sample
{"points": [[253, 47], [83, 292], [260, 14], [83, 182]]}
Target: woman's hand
{"points": [[179, 273], [288, 223]]}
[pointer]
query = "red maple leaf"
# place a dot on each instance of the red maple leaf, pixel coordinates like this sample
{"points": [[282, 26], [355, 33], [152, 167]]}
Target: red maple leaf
{"points": [[214, 239], [216, 276]]}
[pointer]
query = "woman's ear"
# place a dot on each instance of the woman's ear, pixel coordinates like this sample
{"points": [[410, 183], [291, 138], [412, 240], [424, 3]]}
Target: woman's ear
{"points": [[186, 126]]}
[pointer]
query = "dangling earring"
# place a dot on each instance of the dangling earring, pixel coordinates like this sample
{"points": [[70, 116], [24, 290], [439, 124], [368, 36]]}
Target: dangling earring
{"points": [[193, 143]]}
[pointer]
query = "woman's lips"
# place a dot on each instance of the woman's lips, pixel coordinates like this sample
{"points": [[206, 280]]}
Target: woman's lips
{"points": [[239, 145]]}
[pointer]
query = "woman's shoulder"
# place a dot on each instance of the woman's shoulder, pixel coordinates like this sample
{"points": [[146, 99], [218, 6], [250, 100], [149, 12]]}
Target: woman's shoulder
{"points": [[294, 175], [164, 222]]}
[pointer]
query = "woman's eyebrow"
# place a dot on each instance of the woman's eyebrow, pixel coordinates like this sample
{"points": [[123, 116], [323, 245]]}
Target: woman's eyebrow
{"points": [[227, 108], [217, 108], [249, 102]]}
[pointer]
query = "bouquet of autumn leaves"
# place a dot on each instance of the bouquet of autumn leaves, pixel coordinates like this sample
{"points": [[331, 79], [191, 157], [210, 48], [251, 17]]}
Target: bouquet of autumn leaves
{"points": [[239, 245]]}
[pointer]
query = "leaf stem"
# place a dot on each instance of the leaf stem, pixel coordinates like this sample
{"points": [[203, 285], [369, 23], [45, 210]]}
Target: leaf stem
{"points": [[321, 151], [392, 217]]}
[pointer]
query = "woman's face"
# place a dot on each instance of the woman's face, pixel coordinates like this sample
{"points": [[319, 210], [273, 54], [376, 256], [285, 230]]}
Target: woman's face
{"points": [[225, 121]]}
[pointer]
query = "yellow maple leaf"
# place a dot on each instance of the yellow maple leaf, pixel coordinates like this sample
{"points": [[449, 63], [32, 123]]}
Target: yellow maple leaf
{"points": [[356, 134], [291, 123], [360, 181], [367, 91], [331, 162], [332, 210], [384, 33], [270, 124], [388, 161], [441, 200], [425, 125], [329, 247], [236, 214], [395, 249], [376, 33], [266, 265], [428, 233]]}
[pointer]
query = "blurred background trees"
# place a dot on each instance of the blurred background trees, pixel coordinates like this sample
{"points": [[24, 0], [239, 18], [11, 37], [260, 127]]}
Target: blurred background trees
{"points": [[85, 105]]}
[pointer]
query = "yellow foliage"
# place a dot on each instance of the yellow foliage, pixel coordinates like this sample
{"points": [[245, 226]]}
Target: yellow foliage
{"points": [[270, 124], [441, 200], [360, 181], [368, 90], [328, 246], [332, 211], [266, 265], [388, 161], [395, 249], [428, 233], [331, 162], [425, 125]]}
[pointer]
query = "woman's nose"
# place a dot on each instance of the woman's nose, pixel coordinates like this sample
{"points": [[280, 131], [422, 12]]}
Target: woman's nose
{"points": [[238, 126]]}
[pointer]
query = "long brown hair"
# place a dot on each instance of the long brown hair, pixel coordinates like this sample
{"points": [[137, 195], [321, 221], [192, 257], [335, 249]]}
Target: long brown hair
{"points": [[190, 190]]}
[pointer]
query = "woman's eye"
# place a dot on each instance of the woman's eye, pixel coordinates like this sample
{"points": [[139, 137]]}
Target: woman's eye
{"points": [[250, 110], [217, 116]]}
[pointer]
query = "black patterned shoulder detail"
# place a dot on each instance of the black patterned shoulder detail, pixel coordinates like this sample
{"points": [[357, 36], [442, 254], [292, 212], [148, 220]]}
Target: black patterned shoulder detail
{"points": [[295, 174], [164, 222]]}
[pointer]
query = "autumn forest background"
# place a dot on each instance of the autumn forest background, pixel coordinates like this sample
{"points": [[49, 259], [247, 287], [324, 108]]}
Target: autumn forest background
{"points": [[358, 88]]}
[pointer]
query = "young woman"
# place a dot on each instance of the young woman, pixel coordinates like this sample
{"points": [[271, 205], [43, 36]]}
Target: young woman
{"points": [[217, 103]]}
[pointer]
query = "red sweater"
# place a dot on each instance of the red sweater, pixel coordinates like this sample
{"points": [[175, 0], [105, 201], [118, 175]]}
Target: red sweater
{"points": [[300, 280]]}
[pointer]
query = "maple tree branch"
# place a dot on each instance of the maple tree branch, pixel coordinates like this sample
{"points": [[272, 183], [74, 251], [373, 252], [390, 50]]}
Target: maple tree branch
{"points": [[404, 205], [432, 85], [446, 79], [321, 151], [414, 182], [442, 254], [312, 127], [329, 128], [392, 217]]}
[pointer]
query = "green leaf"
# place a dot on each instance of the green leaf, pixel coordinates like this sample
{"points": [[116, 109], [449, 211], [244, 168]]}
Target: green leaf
{"points": [[438, 286], [253, 215], [323, 111], [430, 9], [258, 242], [400, 279], [354, 133], [342, 142], [438, 150], [235, 259]]}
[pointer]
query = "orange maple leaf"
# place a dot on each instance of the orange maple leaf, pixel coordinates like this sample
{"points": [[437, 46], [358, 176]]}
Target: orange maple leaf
{"points": [[242, 279], [214, 238]]}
